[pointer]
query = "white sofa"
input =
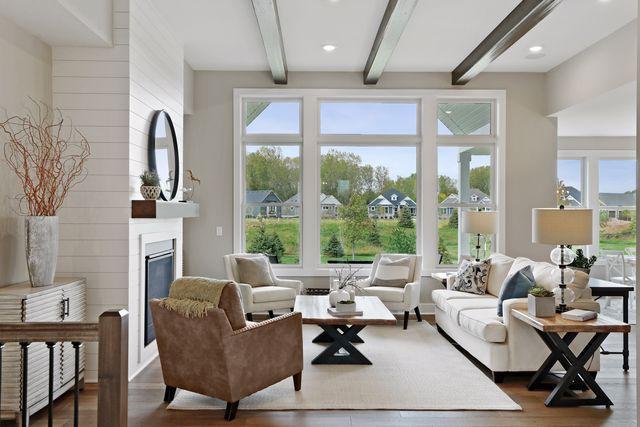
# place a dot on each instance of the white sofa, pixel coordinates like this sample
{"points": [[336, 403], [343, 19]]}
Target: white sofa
{"points": [[404, 298], [505, 344], [281, 295]]}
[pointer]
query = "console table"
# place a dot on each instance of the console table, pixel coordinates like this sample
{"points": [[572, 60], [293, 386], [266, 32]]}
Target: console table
{"points": [[549, 330], [603, 288]]}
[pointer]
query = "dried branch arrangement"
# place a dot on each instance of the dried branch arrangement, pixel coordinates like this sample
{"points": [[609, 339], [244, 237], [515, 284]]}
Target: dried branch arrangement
{"points": [[48, 156]]}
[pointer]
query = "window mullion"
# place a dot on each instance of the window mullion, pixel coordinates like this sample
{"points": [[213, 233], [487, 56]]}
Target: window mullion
{"points": [[310, 185]]}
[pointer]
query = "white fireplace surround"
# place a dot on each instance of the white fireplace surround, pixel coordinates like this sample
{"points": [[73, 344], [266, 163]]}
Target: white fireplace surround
{"points": [[148, 353]]}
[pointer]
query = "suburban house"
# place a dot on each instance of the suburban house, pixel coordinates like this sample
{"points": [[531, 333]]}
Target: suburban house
{"points": [[263, 203], [329, 206], [388, 204], [452, 202], [158, 268], [613, 203]]}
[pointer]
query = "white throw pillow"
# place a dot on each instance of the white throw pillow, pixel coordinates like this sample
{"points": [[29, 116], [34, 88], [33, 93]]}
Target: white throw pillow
{"points": [[392, 273], [254, 271]]}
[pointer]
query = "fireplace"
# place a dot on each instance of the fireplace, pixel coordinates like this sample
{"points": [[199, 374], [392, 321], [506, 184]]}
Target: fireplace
{"points": [[159, 264]]}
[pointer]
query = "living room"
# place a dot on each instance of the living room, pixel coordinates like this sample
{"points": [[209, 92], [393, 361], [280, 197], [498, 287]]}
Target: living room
{"points": [[272, 163]]}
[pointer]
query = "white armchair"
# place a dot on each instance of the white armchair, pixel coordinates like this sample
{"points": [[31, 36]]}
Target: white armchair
{"points": [[281, 295], [397, 298]]}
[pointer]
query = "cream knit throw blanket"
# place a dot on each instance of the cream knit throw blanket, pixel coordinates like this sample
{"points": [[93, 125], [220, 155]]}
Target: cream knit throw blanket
{"points": [[193, 296]]}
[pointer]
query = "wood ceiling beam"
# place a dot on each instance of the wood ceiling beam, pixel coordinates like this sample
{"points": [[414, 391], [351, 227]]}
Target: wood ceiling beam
{"points": [[269, 23], [394, 20], [523, 18]]}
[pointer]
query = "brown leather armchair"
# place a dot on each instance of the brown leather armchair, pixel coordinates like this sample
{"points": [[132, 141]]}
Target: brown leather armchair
{"points": [[223, 356]]}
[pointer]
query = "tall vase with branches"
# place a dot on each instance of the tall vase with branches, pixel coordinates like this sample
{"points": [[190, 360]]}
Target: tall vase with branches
{"points": [[48, 155]]}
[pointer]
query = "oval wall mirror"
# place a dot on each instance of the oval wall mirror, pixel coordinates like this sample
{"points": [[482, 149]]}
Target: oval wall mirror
{"points": [[163, 154]]}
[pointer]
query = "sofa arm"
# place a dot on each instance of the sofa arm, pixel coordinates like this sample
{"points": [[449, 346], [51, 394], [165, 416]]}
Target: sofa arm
{"points": [[296, 285], [450, 281], [246, 294], [411, 295], [364, 283], [262, 354]]}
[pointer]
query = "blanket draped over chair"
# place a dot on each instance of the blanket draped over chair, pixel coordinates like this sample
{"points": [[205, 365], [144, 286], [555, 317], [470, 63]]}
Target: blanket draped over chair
{"points": [[194, 296]]}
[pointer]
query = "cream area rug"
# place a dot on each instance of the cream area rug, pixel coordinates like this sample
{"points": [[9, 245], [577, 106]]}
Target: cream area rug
{"points": [[416, 369]]}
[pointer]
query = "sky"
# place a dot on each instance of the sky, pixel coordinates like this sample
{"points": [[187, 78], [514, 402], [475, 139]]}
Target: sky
{"points": [[616, 175]]}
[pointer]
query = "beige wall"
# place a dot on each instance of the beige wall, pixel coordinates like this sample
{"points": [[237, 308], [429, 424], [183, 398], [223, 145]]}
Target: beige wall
{"points": [[530, 154], [25, 70]]}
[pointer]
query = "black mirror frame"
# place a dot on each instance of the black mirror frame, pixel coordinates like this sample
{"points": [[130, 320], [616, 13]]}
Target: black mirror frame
{"points": [[151, 153]]}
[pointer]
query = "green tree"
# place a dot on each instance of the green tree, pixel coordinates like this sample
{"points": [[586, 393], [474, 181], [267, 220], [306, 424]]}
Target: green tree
{"points": [[604, 218], [333, 248], [480, 178], [374, 234], [402, 241], [269, 169], [446, 187], [406, 219], [355, 222], [341, 174], [445, 256], [407, 185], [453, 219], [265, 243]]}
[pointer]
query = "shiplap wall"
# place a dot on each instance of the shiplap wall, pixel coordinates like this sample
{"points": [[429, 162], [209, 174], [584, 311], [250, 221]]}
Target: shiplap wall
{"points": [[110, 94], [156, 67], [91, 88]]}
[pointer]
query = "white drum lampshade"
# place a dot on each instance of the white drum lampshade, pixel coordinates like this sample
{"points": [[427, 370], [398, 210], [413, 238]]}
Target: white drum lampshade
{"points": [[552, 226], [480, 222]]}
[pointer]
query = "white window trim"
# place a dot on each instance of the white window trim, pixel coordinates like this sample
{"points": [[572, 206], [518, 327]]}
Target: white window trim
{"points": [[591, 182], [426, 141]]}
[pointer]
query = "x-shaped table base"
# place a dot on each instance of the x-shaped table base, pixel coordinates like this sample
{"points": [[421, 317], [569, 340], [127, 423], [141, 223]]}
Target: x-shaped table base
{"points": [[562, 395], [340, 337]]}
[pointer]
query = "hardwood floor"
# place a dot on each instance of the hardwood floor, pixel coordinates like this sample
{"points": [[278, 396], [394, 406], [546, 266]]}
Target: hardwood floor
{"points": [[146, 407]]}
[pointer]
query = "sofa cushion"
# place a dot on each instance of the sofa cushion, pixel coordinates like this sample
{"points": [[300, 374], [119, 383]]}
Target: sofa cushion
{"points": [[516, 285], [273, 293], [441, 296], [254, 271], [454, 307], [472, 276], [500, 266], [484, 324], [392, 272], [386, 293]]}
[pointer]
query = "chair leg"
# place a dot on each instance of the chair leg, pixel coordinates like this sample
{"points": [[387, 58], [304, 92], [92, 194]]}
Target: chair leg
{"points": [[169, 394], [249, 317], [406, 319], [418, 315], [291, 309], [271, 316], [498, 377], [297, 381], [230, 411]]}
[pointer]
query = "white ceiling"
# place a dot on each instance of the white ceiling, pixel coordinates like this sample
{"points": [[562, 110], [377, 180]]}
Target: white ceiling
{"points": [[610, 114], [223, 34]]}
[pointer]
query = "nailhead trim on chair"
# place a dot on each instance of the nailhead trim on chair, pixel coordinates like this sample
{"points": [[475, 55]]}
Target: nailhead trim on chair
{"points": [[254, 325]]}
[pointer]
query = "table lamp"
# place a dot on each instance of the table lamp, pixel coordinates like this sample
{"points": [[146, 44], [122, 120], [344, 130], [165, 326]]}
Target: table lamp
{"points": [[562, 227], [479, 223]]}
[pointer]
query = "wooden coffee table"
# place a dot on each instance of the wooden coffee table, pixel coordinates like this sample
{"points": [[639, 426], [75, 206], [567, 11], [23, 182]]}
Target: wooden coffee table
{"points": [[549, 329], [341, 332]]}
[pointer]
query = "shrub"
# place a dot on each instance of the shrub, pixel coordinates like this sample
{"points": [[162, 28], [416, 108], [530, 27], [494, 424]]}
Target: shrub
{"points": [[333, 248], [539, 291], [264, 243], [453, 219], [445, 256], [402, 241], [150, 178], [374, 237], [406, 219]]}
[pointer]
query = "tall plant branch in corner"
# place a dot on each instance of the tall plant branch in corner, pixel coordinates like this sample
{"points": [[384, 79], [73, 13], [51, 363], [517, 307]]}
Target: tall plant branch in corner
{"points": [[47, 158]]}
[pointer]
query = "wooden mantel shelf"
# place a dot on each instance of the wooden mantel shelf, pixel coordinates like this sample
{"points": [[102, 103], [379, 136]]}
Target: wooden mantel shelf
{"points": [[161, 209]]}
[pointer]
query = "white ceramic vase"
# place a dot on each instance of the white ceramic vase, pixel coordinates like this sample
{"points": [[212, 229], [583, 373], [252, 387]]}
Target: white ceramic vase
{"points": [[150, 192], [337, 296], [41, 233]]}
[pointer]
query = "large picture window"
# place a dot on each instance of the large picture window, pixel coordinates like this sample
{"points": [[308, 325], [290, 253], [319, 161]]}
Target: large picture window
{"points": [[617, 200], [326, 177]]}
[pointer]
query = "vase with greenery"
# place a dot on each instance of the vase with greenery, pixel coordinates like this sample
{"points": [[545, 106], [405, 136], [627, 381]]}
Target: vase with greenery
{"points": [[48, 156], [150, 188], [346, 306], [541, 302], [344, 284], [582, 262]]}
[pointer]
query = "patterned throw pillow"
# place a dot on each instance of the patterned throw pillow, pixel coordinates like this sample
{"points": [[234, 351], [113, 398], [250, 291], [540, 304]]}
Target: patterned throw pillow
{"points": [[392, 273], [472, 277]]}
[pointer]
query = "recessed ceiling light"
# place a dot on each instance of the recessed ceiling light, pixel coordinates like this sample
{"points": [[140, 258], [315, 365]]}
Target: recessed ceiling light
{"points": [[604, 1], [448, 111], [535, 49], [328, 47]]}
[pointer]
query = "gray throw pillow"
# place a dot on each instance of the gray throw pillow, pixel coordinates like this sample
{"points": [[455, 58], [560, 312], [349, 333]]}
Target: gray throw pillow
{"points": [[472, 277], [392, 273], [254, 271], [516, 286]]}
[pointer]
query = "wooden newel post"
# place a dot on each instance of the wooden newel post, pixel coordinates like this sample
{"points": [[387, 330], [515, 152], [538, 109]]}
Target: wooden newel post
{"points": [[113, 364]]}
